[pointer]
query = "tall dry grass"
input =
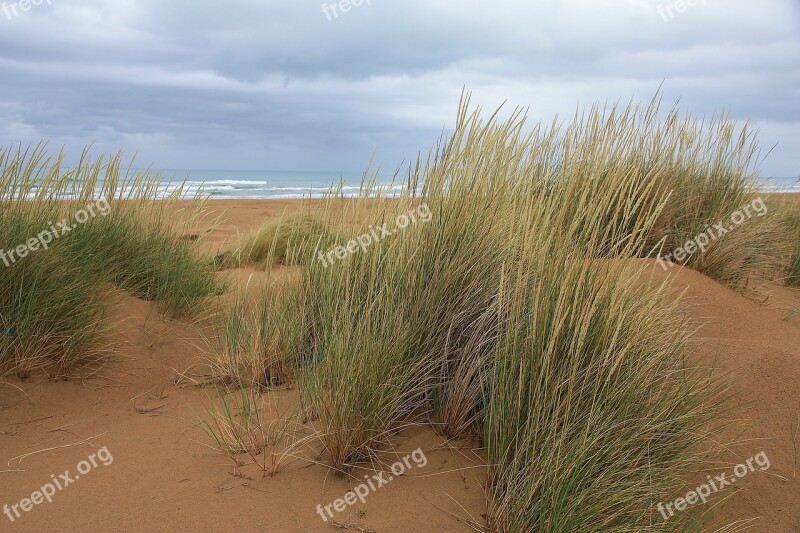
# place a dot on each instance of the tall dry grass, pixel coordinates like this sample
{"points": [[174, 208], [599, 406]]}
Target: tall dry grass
{"points": [[792, 220], [522, 313]]}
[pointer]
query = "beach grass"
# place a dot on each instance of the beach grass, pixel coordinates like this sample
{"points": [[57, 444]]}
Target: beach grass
{"points": [[519, 309], [513, 315], [523, 312], [79, 234], [289, 240], [792, 213], [794, 270], [251, 338]]}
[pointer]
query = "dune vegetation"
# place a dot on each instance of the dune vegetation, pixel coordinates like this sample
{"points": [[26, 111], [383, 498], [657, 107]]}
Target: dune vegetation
{"points": [[794, 269], [793, 224], [86, 232], [519, 315], [286, 241]]}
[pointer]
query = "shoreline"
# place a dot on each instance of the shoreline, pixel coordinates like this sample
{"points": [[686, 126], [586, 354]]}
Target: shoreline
{"points": [[213, 198]]}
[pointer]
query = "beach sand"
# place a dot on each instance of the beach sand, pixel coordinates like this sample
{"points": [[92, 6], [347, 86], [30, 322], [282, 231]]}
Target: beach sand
{"points": [[166, 474]]}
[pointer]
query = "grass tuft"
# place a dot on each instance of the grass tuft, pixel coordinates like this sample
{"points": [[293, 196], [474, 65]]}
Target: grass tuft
{"points": [[521, 312], [290, 240], [56, 298], [793, 226]]}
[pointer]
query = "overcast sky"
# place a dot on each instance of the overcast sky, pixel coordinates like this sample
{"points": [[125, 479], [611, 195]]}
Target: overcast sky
{"points": [[281, 85]]}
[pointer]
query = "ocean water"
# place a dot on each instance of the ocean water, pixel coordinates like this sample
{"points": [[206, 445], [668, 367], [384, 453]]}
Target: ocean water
{"points": [[220, 184], [238, 184], [780, 184]]}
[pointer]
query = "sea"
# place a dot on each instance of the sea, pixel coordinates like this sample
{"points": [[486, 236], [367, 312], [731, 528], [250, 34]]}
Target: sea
{"points": [[270, 184]]}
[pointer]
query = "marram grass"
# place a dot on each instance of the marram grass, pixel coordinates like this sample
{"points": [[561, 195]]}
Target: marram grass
{"points": [[290, 240], [794, 270], [512, 315], [250, 339], [792, 215], [55, 302], [522, 314]]}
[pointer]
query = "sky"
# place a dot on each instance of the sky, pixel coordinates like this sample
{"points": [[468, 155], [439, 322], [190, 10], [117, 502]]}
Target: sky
{"points": [[311, 85]]}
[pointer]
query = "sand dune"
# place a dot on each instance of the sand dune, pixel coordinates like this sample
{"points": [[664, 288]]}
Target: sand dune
{"points": [[167, 476]]}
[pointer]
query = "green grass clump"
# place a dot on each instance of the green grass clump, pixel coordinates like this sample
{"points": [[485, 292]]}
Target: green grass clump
{"points": [[499, 317], [251, 339], [793, 225], [291, 240], [794, 270], [589, 423], [137, 249], [355, 376], [592, 416], [55, 301], [520, 312], [54, 314]]}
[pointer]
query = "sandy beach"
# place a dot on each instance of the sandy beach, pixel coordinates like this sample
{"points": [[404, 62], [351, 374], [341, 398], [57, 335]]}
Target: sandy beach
{"points": [[144, 406]]}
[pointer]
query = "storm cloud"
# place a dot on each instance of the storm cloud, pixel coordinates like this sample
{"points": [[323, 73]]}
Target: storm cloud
{"points": [[280, 84]]}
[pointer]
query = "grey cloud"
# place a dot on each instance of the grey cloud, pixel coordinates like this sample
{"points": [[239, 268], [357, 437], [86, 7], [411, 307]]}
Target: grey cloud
{"points": [[274, 84]]}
